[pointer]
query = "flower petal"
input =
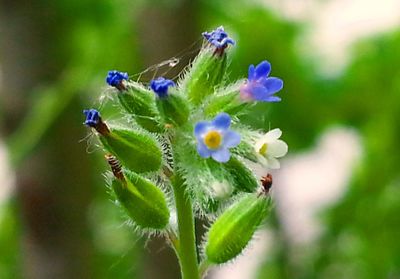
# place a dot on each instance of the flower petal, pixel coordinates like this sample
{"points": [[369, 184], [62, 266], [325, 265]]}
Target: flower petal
{"points": [[222, 121], [203, 150], [258, 92], [263, 69], [252, 72], [272, 99], [277, 149], [200, 128], [272, 135], [221, 155], [231, 139], [273, 84], [273, 163]]}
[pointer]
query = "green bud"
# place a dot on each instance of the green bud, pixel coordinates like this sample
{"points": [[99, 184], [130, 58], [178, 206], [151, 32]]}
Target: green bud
{"points": [[137, 151], [174, 109], [226, 100], [234, 229], [140, 103], [243, 178], [143, 201], [208, 71]]}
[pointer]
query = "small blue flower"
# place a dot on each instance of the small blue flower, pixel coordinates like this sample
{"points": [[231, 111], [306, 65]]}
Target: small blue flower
{"points": [[214, 138], [93, 118], [115, 78], [260, 87], [218, 38], [160, 86]]}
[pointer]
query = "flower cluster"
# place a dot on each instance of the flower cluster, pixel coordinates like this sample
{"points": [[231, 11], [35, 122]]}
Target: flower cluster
{"points": [[188, 135]]}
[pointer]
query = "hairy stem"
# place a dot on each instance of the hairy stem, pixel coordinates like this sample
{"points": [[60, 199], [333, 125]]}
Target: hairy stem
{"points": [[187, 253], [203, 268]]}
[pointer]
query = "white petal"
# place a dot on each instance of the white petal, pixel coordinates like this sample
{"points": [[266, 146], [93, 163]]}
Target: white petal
{"points": [[275, 133], [272, 135], [262, 160], [273, 163], [277, 149]]}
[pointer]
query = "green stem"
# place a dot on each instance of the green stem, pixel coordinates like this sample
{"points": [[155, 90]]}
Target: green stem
{"points": [[187, 253], [203, 268]]}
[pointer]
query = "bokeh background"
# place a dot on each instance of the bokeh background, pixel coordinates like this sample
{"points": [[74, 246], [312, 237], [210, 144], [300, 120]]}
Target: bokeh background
{"points": [[337, 193]]}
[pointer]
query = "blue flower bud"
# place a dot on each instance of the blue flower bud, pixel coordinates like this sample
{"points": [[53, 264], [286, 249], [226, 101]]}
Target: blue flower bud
{"points": [[92, 117], [93, 120], [115, 79], [218, 38], [160, 86]]}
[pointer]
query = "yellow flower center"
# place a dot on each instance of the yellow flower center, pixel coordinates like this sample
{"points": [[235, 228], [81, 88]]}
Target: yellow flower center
{"points": [[263, 149], [213, 139]]}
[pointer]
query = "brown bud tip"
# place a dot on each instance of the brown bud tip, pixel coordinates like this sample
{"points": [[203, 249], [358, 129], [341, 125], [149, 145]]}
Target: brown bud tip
{"points": [[115, 165], [266, 182]]}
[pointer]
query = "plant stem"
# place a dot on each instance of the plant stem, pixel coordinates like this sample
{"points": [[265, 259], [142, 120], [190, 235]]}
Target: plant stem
{"points": [[187, 253], [203, 268]]}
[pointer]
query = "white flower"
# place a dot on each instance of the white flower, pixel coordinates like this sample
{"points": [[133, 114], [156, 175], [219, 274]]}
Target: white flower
{"points": [[269, 147]]}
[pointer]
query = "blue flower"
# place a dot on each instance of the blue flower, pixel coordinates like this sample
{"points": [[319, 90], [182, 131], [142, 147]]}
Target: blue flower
{"points": [[260, 87], [160, 86], [214, 138], [115, 78], [218, 38], [93, 118]]}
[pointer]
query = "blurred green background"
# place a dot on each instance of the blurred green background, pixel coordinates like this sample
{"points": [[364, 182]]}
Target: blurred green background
{"points": [[56, 219]]}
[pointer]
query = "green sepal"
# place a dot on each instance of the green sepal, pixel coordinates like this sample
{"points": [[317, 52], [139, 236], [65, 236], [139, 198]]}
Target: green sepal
{"points": [[137, 151], [233, 230], [143, 201], [226, 100], [206, 73], [174, 109], [140, 103], [243, 179]]}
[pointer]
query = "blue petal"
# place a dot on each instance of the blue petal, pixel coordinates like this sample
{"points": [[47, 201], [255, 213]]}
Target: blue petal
{"points": [[231, 139], [222, 121], [273, 84], [252, 72], [203, 150], [272, 99], [263, 69], [221, 155], [259, 92], [200, 128]]}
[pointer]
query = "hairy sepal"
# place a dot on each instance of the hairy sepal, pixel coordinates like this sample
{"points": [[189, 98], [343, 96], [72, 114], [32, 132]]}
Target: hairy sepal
{"points": [[140, 103], [207, 72], [173, 109], [138, 151], [233, 230], [142, 200]]}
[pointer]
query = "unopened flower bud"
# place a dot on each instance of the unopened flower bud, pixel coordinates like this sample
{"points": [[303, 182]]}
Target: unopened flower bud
{"points": [[143, 201], [233, 230]]}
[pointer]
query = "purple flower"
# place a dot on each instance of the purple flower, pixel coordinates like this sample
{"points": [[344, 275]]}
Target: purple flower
{"points": [[115, 78], [160, 86], [214, 138], [218, 38], [92, 118], [260, 87]]}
